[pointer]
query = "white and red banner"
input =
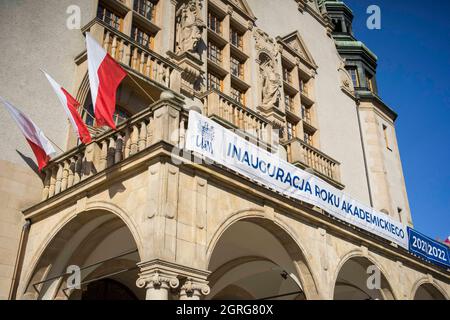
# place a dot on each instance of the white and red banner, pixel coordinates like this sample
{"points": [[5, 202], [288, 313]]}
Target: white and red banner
{"points": [[105, 75], [70, 106], [213, 141], [39, 143]]}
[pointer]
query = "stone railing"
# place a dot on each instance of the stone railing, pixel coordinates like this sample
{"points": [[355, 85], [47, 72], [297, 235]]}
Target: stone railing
{"points": [[306, 156], [138, 133], [235, 116], [139, 58]]}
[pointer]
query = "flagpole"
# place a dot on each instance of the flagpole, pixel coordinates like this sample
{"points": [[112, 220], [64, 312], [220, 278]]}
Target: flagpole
{"points": [[55, 144], [140, 87], [85, 110]]}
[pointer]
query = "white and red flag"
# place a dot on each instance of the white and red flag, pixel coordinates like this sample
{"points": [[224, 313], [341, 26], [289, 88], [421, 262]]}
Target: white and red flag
{"points": [[105, 75], [70, 106], [39, 143]]}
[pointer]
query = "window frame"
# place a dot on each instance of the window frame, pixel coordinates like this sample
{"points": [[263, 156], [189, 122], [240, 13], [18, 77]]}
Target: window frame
{"points": [[151, 37], [215, 27], [218, 82], [239, 97], [139, 9], [217, 57], [240, 38], [114, 20], [234, 62]]}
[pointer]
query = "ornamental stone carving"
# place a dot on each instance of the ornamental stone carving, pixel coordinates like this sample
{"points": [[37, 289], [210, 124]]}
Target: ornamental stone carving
{"points": [[270, 78], [271, 85], [264, 42], [192, 290], [157, 280], [346, 80], [190, 27]]}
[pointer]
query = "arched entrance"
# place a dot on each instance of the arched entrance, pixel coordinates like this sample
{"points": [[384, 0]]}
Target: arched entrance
{"points": [[257, 259], [95, 251], [428, 291], [360, 279], [107, 289]]}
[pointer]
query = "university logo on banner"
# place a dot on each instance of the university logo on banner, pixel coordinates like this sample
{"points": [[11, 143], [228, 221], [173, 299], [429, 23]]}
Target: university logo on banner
{"points": [[205, 140]]}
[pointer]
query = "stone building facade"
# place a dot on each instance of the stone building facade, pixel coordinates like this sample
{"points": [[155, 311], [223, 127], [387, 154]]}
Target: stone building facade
{"points": [[145, 220]]}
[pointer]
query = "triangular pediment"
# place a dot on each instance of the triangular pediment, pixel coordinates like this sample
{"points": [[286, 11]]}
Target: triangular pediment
{"points": [[295, 42], [243, 6]]}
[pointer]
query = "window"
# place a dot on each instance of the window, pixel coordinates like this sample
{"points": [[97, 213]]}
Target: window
{"points": [[307, 138], [238, 95], [214, 53], [337, 23], [386, 137], [236, 39], [288, 102], [120, 116], [306, 114], [88, 113], [353, 71], [287, 75], [143, 38], [145, 8], [370, 83], [291, 132], [109, 17], [303, 87], [237, 68], [214, 82], [214, 23]]}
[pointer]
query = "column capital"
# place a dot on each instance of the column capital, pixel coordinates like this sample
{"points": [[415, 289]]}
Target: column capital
{"points": [[156, 279], [193, 289]]}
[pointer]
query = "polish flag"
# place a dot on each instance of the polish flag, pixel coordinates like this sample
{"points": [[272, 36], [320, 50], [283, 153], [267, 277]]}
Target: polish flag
{"points": [[39, 143], [70, 106], [105, 75]]}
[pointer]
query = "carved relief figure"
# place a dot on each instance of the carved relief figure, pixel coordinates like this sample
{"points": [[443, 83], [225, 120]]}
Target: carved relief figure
{"points": [[271, 85], [189, 27]]}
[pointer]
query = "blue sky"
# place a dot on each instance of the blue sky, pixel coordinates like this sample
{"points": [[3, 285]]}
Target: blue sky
{"points": [[413, 48]]}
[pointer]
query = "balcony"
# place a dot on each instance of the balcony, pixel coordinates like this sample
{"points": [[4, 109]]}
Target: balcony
{"points": [[142, 60], [116, 150], [305, 156], [234, 115]]}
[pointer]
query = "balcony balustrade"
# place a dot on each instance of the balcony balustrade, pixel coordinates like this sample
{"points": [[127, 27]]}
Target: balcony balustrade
{"points": [[137, 134], [137, 57], [235, 116], [305, 156]]}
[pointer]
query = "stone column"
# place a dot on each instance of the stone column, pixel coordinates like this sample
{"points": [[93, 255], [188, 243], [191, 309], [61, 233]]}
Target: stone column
{"points": [[193, 290], [159, 276], [157, 284]]}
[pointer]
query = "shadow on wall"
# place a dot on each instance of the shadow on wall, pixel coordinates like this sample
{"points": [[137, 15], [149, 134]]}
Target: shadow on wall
{"points": [[30, 162]]}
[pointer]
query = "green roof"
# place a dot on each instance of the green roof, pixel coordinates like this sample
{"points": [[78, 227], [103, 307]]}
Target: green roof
{"points": [[357, 44]]}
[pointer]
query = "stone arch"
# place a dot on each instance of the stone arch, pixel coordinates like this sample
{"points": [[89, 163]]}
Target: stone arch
{"points": [[68, 243], [431, 286], [365, 258], [278, 230]]}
